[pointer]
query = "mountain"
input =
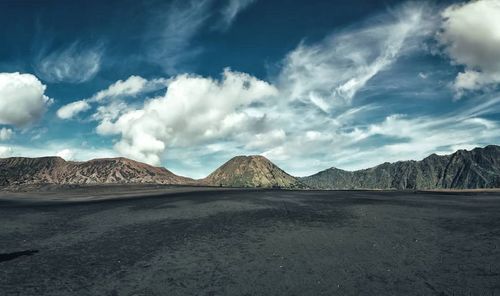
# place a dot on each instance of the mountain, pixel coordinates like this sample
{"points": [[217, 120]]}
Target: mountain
{"points": [[251, 171], [55, 170], [478, 168]]}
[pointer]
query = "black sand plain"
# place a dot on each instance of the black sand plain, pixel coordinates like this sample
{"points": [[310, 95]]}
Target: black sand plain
{"points": [[194, 241]]}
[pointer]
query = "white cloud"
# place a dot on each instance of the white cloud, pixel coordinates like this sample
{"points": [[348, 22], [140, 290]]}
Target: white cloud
{"points": [[331, 72], [231, 11], [405, 138], [292, 120], [471, 38], [422, 136], [22, 99], [194, 110], [423, 75], [66, 154], [5, 151], [70, 110], [5, 134], [306, 122], [474, 80], [111, 110], [316, 141], [267, 139], [132, 86], [74, 64]]}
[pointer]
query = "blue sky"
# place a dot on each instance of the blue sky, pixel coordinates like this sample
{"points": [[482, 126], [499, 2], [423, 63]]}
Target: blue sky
{"points": [[189, 84]]}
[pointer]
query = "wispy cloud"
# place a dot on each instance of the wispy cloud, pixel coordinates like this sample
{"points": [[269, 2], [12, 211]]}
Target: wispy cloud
{"points": [[332, 72], [76, 63], [348, 145], [231, 10], [169, 41]]}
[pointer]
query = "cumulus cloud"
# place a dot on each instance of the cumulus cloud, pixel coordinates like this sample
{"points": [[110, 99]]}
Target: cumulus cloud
{"points": [[471, 38], [132, 86], [74, 64], [193, 110], [231, 11], [22, 99], [331, 72], [5, 134]]}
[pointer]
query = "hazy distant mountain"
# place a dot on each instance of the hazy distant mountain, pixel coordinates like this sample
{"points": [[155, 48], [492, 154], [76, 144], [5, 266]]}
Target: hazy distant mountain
{"points": [[55, 170], [251, 171], [478, 168]]}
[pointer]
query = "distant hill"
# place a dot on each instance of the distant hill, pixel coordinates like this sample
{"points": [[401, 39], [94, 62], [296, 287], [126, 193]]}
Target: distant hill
{"points": [[55, 170], [251, 171], [478, 168], [475, 169]]}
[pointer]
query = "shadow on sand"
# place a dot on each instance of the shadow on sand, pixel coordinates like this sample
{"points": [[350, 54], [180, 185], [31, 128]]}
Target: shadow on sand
{"points": [[12, 256]]}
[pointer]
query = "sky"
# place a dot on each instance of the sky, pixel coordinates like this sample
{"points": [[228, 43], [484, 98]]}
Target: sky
{"points": [[189, 84]]}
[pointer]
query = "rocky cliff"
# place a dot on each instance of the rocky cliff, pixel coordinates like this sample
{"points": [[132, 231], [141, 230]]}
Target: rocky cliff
{"points": [[478, 168]]}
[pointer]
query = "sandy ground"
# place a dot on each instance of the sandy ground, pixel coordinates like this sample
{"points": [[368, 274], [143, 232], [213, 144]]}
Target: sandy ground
{"points": [[194, 241], [84, 193]]}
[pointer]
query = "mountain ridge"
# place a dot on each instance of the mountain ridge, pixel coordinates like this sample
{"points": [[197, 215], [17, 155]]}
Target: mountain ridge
{"points": [[463, 169], [55, 170]]}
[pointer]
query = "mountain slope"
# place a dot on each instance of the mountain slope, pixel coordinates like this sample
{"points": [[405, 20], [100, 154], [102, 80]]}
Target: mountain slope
{"points": [[478, 168], [55, 170], [251, 171]]}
